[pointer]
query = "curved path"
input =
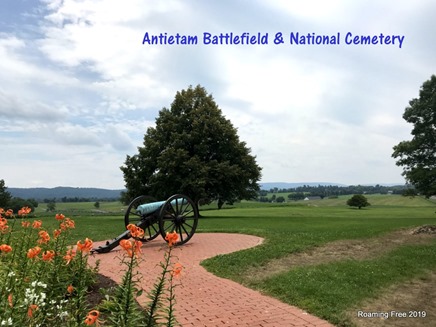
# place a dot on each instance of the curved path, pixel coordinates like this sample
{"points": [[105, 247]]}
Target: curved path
{"points": [[204, 299]]}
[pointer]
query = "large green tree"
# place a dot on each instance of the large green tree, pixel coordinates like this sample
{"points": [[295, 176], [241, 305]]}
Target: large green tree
{"points": [[5, 196], [418, 156], [358, 200], [194, 150]]}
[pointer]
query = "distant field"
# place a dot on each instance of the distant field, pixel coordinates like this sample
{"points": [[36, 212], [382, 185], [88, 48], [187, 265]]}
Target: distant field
{"points": [[85, 208], [374, 199], [377, 200], [116, 207]]}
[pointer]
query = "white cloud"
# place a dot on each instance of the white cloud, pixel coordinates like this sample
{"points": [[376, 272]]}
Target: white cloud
{"points": [[312, 10], [12, 106]]}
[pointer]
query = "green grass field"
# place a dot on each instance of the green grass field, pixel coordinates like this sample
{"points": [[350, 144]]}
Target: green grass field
{"points": [[326, 290]]}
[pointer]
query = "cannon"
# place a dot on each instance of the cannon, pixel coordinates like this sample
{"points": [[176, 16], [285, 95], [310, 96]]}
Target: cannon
{"points": [[178, 213]]}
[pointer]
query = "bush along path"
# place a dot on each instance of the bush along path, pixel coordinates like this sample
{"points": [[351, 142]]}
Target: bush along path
{"points": [[46, 282]]}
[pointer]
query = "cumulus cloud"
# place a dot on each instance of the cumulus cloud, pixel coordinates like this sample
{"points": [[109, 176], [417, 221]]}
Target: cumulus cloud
{"points": [[14, 107]]}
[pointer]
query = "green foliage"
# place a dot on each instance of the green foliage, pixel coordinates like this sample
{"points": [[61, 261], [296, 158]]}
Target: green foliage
{"points": [[43, 282], [193, 150], [358, 200], [121, 307], [280, 199], [154, 308], [417, 156], [17, 203], [5, 196], [120, 304], [51, 206], [322, 191], [411, 192], [296, 196]]}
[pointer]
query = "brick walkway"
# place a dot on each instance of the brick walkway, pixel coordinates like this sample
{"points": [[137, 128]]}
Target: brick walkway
{"points": [[204, 299]]}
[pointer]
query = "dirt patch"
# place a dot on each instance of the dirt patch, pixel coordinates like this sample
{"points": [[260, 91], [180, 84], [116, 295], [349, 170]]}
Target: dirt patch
{"points": [[94, 296], [346, 249], [410, 304], [426, 229]]}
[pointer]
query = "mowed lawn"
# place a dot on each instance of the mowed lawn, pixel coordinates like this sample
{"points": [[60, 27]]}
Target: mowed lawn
{"points": [[326, 290]]}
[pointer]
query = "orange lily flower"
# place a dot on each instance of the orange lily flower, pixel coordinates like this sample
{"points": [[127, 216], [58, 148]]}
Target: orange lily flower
{"points": [[3, 225], [9, 213], [33, 252], [5, 248], [32, 308], [44, 237], [70, 223], [172, 238], [69, 256], [60, 216], [70, 289], [177, 270], [37, 224], [25, 224], [92, 318], [11, 304], [127, 245], [132, 248], [48, 255], [85, 247], [138, 245], [24, 211], [56, 233], [67, 223], [135, 231]]}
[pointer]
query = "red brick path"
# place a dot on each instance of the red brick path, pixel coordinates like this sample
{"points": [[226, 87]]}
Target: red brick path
{"points": [[204, 299]]}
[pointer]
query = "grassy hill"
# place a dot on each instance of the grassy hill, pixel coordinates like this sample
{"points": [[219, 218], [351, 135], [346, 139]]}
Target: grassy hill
{"points": [[58, 193], [376, 200]]}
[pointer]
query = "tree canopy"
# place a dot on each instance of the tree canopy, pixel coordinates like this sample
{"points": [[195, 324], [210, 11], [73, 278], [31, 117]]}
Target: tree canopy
{"points": [[5, 196], [359, 201], [194, 150], [418, 156]]}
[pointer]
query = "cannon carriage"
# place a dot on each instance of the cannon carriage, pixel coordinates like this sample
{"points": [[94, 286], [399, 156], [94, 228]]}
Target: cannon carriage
{"points": [[177, 214]]}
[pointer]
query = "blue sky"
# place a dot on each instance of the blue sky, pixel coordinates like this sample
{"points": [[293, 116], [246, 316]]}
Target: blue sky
{"points": [[78, 89]]}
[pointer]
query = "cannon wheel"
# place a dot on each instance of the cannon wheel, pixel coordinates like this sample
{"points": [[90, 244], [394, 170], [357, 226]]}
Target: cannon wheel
{"points": [[180, 214], [151, 229]]}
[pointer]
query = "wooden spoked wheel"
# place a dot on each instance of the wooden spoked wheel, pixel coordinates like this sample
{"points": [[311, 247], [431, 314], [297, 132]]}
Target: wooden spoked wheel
{"points": [[178, 214], [149, 223]]}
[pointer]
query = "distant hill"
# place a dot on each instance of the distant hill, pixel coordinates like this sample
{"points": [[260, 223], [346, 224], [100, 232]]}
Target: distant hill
{"points": [[281, 185], [58, 193]]}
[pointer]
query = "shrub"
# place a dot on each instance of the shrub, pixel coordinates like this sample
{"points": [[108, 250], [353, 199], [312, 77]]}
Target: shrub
{"points": [[44, 281]]}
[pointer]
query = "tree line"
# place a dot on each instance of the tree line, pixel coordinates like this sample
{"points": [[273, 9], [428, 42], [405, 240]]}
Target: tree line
{"points": [[7, 201], [331, 191]]}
